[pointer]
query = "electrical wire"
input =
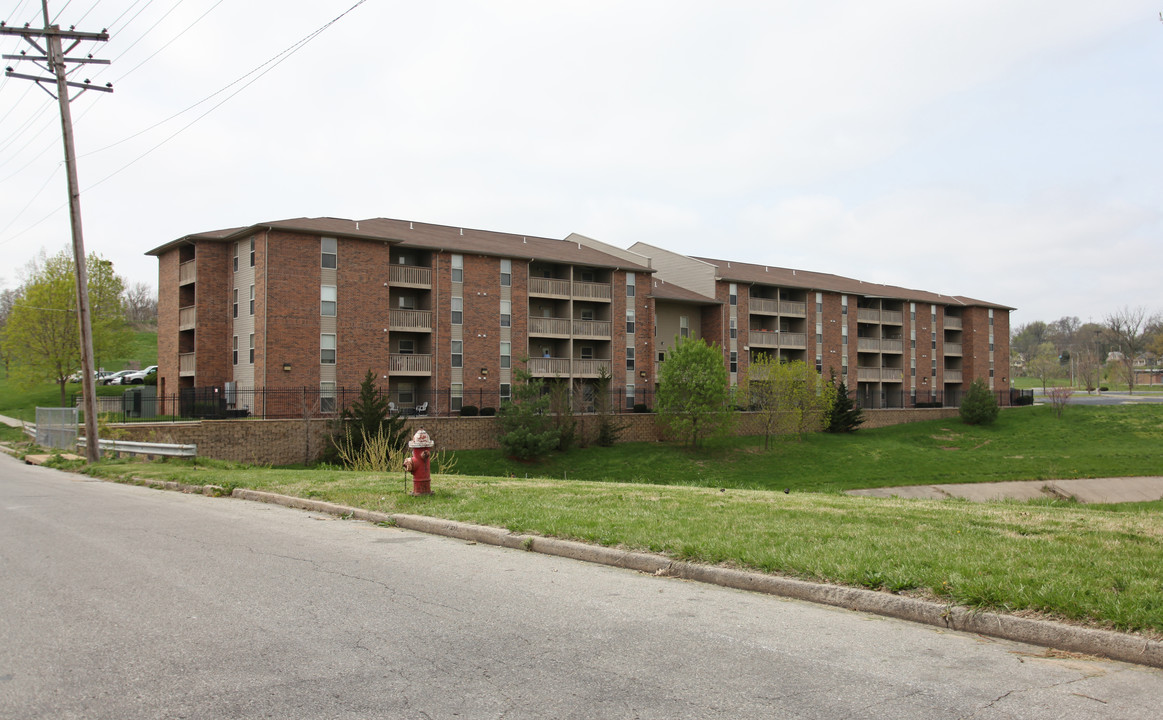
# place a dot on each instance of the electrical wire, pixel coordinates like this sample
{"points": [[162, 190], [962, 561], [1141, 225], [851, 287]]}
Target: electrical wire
{"points": [[167, 44], [31, 200]]}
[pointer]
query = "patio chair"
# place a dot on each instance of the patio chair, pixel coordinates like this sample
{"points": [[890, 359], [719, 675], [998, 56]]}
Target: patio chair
{"points": [[422, 408]]}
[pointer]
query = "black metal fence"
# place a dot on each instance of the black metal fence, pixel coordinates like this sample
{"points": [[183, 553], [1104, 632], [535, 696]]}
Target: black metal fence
{"points": [[312, 402]]}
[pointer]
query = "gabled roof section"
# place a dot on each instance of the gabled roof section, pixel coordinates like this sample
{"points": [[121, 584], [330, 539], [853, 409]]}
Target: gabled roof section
{"points": [[749, 273], [433, 237], [663, 290]]}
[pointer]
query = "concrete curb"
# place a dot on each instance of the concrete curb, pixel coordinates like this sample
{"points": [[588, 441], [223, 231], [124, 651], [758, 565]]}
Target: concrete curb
{"points": [[1101, 643]]}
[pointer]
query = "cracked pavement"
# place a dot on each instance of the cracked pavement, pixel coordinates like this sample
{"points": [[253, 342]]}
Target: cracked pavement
{"points": [[125, 602]]}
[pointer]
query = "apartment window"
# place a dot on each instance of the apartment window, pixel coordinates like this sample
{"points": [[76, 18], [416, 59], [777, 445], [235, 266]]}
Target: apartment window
{"points": [[252, 252], [327, 300], [991, 347], [457, 353], [587, 314], [734, 362], [407, 302], [235, 351], [457, 397], [586, 276], [506, 391], [629, 358], [934, 339], [684, 326], [506, 272], [327, 397], [630, 396], [819, 364], [235, 257], [458, 268], [587, 352], [843, 304], [819, 338], [506, 355], [630, 289], [252, 299], [407, 346], [734, 328], [252, 348], [819, 303], [506, 313], [733, 294], [629, 322], [235, 302], [328, 248], [327, 349], [407, 393], [991, 317], [457, 311]]}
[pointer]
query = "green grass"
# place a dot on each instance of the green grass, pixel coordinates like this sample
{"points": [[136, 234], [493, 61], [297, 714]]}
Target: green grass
{"points": [[1024, 444], [1099, 566]]}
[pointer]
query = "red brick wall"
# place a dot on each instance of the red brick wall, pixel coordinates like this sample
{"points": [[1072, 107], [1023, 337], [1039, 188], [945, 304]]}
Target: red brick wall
{"points": [[363, 312], [167, 321], [212, 335]]}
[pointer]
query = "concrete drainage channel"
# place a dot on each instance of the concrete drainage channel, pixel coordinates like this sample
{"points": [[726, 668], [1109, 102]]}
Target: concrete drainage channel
{"points": [[1100, 643]]}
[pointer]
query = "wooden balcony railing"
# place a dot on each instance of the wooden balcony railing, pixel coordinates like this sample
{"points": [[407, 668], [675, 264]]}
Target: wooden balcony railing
{"points": [[763, 305], [952, 376], [413, 320], [410, 276], [402, 364], [549, 326], [186, 364], [187, 318], [868, 315], [592, 291], [952, 348], [187, 272], [590, 368], [565, 367], [952, 323], [596, 329], [549, 286], [892, 317], [787, 340]]}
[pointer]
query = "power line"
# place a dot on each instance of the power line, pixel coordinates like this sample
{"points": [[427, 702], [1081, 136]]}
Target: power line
{"points": [[168, 43]]}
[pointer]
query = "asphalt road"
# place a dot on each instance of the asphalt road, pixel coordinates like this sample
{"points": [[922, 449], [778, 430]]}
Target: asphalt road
{"points": [[123, 602]]}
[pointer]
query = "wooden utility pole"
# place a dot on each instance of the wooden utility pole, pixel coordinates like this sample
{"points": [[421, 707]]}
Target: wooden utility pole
{"points": [[53, 57]]}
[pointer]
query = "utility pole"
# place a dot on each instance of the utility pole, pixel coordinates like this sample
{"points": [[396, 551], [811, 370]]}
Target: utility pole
{"points": [[55, 61]]}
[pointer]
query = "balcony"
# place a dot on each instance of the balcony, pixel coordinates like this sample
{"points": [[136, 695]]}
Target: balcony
{"points": [[892, 317], [187, 318], [952, 348], [881, 374], [592, 291], [549, 287], [868, 315], [952, 376], [952, 323], [592, 329], [565, 367], [404, 364], [186, 365], [553, 327], [187, 272], [410, 276], [411, 320], [768, 339]]}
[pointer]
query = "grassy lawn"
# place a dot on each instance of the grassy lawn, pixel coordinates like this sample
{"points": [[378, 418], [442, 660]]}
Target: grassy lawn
{"points": [[1101, 566], [1024, 444]]}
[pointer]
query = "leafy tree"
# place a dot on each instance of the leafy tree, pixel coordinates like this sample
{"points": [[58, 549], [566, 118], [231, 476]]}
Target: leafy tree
{"points": [[1026, 339], [608, 426], [369, 421], [561, 396], [8, 298], [694, 392], [845, 415], [527, 429], [42, 336], [788, 396], [979, 407]]}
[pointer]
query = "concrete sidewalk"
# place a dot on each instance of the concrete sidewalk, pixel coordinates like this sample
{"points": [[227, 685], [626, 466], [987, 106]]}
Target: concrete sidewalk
{"points": [[1088, 490], [11, 422]]}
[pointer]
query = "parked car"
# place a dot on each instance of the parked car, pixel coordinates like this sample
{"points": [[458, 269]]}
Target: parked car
{"points": [[115, 378], [138, 377]]}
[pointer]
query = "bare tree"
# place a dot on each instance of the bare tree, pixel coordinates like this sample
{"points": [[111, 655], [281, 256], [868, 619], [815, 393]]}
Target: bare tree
{"points": [[141, 305], [1126, 327], [1059, 397], [1088, 365]]}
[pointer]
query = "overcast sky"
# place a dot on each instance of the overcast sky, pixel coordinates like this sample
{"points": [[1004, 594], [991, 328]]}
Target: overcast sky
{"points": [[1000, 149]]}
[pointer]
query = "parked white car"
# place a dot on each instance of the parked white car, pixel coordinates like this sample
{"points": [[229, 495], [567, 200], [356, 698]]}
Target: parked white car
{"points": [[138, 377], [115, 378]]}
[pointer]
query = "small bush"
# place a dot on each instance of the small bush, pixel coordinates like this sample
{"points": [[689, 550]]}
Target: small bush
{"points": [[641, 408], [469, 411], [1104, 388], [488, 411], [979, 406]]}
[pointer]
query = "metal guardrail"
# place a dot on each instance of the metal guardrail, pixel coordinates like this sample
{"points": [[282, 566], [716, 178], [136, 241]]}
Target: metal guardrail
{"points": [[143, 448]]}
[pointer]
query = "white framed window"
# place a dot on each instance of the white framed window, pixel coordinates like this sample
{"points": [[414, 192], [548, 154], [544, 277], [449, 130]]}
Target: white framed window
{"points": [[327, 349], [506, 355], [234, 352], [327, 397], [407, 346], [457, 397], [506, 391], [843, 304], [235, 302], [327, 294], [630, 285], [235, 257], [587, 313], [733, 294], [458, 268], [684, 326], [252, 299], [457, 311], [329, 255], [629, 358], [629, 322], [734, 361], [252, 348], [407, 302], [457, 353], [630, 396], [506, 272], [734, 328], [506, 313], [252, 252], [587, 352]]}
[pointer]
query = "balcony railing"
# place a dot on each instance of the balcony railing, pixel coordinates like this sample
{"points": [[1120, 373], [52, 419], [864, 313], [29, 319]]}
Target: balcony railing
{"points": [[186, 364], [403, 364], [592, 291], [413, 320], [768, 339], [565, 367], [881, 374], [868, 344], [410, 276], [549, 286], [187, 272], [952, 348], [892, 317], [763, 305], [952, 323], [187, 318], [867, 315], [952, 376], [549, 326], [892, 346], [593, 329]]}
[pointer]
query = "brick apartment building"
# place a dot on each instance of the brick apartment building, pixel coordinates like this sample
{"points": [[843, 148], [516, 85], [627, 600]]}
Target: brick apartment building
{"points": [[442, 315]]}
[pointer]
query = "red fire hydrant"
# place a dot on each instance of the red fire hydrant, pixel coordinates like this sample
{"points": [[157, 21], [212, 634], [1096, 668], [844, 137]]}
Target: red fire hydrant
{"points": [[421, 446]]}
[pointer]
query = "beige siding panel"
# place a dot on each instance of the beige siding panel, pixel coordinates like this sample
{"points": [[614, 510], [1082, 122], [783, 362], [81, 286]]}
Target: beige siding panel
{"points": [[681, 270]]}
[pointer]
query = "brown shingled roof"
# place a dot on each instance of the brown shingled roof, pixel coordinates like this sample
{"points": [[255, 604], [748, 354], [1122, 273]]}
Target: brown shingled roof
{"points": [[808, 280], [662, 290]]}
